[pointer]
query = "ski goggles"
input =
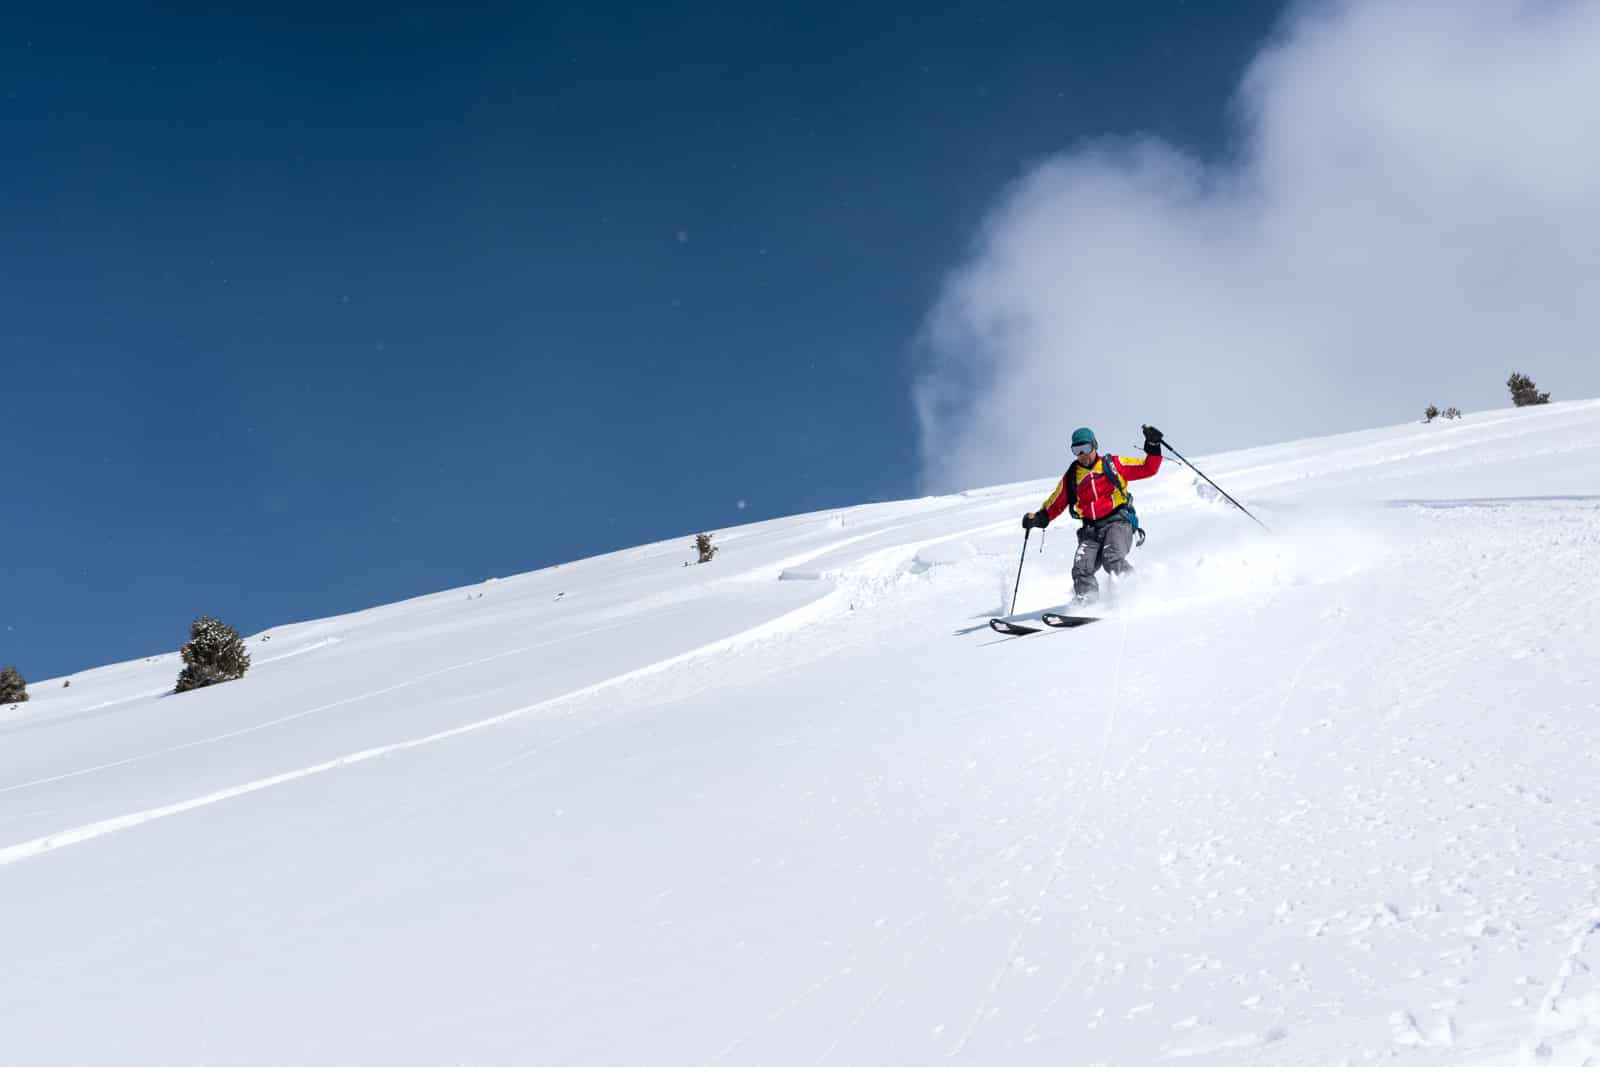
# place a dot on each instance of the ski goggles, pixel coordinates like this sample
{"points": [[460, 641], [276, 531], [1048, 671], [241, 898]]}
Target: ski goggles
{"points": [[1083, 450]]}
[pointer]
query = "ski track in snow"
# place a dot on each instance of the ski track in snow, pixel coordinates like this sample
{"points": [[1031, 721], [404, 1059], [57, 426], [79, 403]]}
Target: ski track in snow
{"points": [[632, 620], [808, 613], [1035, 910], [282, 719], [88, 832]]}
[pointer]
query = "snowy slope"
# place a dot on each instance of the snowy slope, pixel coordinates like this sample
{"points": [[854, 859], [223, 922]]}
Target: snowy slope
{"points": [[1331, 795]]}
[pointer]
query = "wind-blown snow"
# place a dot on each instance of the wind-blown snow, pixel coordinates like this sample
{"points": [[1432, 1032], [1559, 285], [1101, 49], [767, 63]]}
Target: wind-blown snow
{"points": [[1326, 795]]}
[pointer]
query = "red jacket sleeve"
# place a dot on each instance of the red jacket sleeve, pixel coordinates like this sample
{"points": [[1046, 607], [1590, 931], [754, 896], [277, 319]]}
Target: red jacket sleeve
{"points": [[1057, 501], [1133, 469]]}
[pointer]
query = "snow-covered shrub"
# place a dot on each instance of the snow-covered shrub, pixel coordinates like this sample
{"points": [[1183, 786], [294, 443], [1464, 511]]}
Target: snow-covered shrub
{"points": [[1524, 392], [1452, 413], [214, 653], [1430, 413], [703, 545], [13, 689]]}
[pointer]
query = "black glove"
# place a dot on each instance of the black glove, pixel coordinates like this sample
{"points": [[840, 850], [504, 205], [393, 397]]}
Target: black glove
{"points": [[1027, 520], [1036, 519], [1152, 441]]}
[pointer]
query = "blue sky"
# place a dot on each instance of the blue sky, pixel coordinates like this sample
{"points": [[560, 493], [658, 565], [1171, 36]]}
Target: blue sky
{"points": [[315, 310]]}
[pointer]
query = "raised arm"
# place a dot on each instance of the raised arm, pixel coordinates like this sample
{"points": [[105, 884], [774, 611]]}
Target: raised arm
{"points": [[1135, 468]]}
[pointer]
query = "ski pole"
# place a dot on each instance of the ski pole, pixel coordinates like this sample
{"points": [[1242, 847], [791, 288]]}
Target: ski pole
{"points": [[1020, 562], [1215, 486]]}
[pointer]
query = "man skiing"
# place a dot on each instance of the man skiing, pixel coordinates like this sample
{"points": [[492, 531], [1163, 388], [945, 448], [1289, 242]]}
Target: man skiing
{"points": [[1095, 490]]}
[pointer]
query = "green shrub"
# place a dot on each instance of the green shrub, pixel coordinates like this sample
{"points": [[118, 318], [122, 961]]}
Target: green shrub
{"points": [[13, 689], [214, 653], [1524, 392]]}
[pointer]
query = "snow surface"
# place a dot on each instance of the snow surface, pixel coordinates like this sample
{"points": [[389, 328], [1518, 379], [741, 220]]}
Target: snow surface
{"points": [[1330, 795]]}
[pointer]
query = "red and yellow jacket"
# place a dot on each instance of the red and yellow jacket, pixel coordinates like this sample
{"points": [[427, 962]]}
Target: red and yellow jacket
{"points": [[1095, 493]]}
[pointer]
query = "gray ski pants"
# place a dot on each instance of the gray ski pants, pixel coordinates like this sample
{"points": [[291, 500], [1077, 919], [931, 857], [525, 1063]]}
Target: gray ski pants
{"points": [[1105, 544]]}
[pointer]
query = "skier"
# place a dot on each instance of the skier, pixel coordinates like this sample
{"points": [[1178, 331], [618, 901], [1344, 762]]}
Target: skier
{"points": [[1095, 490]]}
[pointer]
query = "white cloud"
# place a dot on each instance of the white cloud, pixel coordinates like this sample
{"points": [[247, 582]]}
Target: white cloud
{"points": [[1413, 212]]}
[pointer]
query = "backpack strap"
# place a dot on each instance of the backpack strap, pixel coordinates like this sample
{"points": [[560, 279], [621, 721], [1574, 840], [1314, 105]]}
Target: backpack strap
{"points": [[1109, 465], [1122, 483]]}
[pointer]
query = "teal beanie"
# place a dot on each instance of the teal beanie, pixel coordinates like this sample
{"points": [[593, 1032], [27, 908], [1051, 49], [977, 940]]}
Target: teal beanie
{"points": [[1083, 436]]}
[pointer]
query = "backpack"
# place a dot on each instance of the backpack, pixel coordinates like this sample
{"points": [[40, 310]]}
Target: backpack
{"points": [[1108, 469]]}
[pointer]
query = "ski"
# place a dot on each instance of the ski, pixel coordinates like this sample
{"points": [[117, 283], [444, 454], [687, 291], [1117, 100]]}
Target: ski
{"points": [[1060, 621], [1029, 622], [1011, 629]]}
